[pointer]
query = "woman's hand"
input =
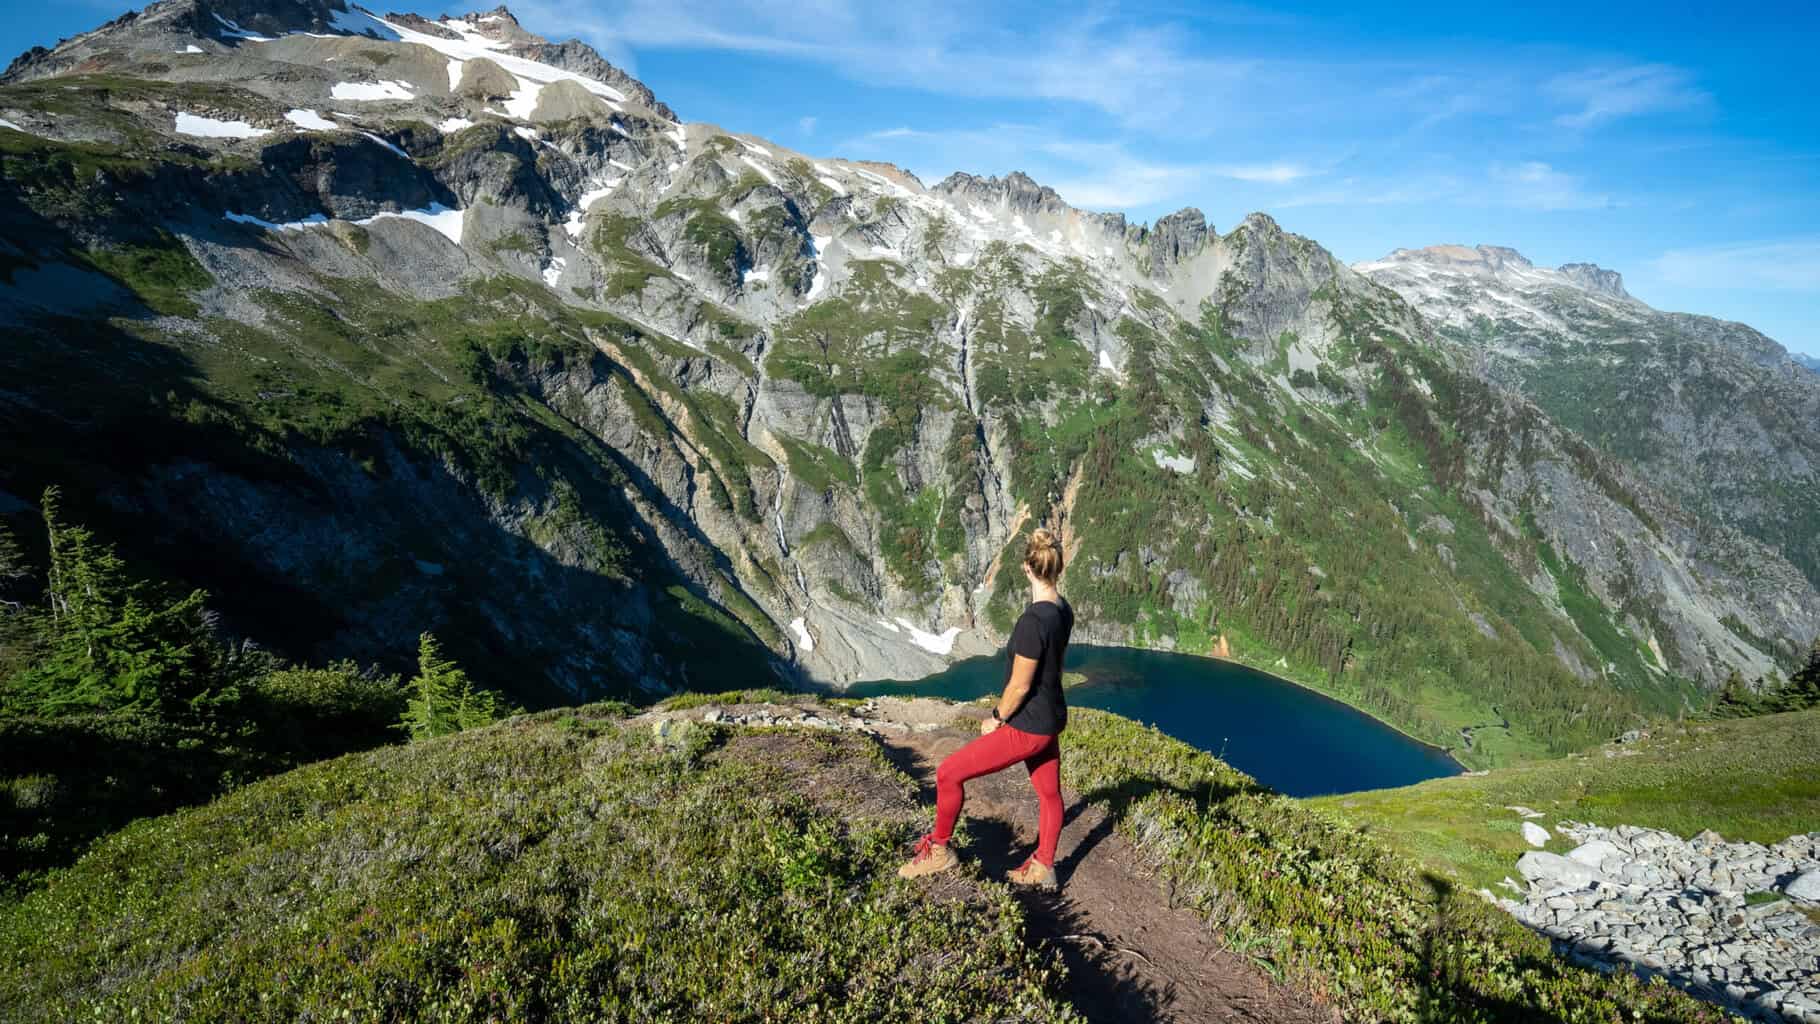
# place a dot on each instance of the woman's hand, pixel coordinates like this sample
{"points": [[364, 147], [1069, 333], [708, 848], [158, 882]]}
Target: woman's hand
{"points": [[988, 724]]}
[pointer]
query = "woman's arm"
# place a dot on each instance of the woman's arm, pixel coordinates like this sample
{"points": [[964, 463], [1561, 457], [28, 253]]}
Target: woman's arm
{"points": [[1017, 690]]}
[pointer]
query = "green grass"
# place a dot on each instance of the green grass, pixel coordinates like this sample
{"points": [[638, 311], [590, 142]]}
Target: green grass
{"points": [[563, 867], [160, 271], [1751, 779]]}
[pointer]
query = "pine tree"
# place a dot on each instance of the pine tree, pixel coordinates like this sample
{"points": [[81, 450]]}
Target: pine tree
{"points": [[1735, 699], [443, 700], [111, 643]]}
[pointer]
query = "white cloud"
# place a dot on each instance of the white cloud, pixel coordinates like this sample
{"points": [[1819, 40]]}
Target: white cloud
{"points": [[1141, 74], [1534, 185], [1758, 266], [1607, 94], [1275, 174], [806, 124]]}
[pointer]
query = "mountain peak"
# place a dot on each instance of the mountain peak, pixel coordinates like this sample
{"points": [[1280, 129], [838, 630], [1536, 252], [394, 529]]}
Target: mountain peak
{"points": [[1595, 278]]}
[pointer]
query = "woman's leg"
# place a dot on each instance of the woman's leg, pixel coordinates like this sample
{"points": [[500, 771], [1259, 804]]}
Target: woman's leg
{"points": [[997, 750], [1046, 775]]}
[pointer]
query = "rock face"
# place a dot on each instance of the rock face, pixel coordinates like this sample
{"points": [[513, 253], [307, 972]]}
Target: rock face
{"points": [[650, 372], [1712, 917], [1711, 413]]}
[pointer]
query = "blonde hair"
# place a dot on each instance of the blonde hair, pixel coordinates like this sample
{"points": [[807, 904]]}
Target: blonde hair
{"points": [[1043, 555]]}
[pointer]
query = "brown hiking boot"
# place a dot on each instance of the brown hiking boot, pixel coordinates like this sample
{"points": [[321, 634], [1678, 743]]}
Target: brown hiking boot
{"points": [[1035, 874], [930, 858]]}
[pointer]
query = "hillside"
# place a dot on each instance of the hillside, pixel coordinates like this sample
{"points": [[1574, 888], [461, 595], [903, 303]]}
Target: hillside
{"points": [[433, 325], [1752, 779], [579, 865], [1708, 411], [1685, 851]]}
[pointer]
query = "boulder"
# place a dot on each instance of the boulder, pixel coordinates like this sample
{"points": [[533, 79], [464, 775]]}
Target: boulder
{"points": [[1552, 869], [1535, 834], [1805, 887], [1595, 853]]}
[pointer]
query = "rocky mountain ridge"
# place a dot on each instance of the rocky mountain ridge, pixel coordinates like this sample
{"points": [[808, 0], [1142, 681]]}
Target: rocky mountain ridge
{"points": [[473, 310], [1710, 412]]}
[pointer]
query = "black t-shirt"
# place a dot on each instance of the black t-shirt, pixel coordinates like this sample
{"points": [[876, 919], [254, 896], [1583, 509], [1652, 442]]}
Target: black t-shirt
{"points": [[1041, 634]]}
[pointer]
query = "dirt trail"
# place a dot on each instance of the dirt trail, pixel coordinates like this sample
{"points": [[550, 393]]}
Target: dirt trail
{"points": [[1130, 956]]}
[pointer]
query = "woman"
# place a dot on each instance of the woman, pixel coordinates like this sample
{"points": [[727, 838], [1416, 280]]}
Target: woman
{"points": [[1025, 725]]}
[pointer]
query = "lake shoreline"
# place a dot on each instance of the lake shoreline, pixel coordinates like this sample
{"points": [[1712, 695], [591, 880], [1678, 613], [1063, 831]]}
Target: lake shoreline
{"points": [[1446, 752], [1273, 713]]}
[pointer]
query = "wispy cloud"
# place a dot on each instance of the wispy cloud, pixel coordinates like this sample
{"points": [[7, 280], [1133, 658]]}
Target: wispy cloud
{"points": [[1141, 74], [806, 124], [1274, 174], [1599, 95], [1531, 185], [1534, 185], [1792, 265]]}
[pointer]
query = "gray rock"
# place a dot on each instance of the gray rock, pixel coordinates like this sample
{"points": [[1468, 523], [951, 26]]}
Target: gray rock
{"points": [[1805, 887], [1534, 834]]}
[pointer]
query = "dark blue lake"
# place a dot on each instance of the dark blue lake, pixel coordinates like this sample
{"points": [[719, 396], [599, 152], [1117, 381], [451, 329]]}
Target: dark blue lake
{"points": [[1291, 739]]}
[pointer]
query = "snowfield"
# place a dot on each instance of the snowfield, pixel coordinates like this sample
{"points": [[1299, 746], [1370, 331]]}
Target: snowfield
{"points": [[210, 128]]}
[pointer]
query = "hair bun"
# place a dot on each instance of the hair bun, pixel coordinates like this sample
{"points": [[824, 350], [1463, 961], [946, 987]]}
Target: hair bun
{"points": [[1043, 537]]}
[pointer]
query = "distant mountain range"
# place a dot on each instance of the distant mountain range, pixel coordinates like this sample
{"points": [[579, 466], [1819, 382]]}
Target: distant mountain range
{"points": [[374, 325], [1709, 411]]}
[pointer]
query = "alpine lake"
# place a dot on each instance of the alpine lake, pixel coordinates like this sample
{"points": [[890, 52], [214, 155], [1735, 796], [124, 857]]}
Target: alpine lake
{"points": [[1290, 738]]}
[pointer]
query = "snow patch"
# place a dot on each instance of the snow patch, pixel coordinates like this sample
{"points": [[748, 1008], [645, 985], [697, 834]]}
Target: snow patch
{"points": [[445, 221], [1174, 463], [553, 272], [524, 101], [803, 639], [681, 135], [4, 123], [934, 643], [371, 91], [191, 48], [837, 187], [387, 144], [758, 274], [233, 31], [210, 128], [356, 22], [454, 124], [310, 121], [529, 134], [1106, 361], [888, 625], [763, 171], [296, 225], [473, 44], [621, 164]]}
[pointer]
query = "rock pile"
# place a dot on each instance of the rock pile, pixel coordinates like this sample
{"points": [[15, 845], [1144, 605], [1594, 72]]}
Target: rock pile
{"points": [[1729, 922]]}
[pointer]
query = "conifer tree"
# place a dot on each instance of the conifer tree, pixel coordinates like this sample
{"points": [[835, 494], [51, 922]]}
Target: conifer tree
{"points": [[443, 699], [112, 643], [1735, 699]]}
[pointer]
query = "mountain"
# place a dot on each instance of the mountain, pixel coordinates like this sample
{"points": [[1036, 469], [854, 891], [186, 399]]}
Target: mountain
{"points": [[1709, 412], [1808, 361], [373, 325]]}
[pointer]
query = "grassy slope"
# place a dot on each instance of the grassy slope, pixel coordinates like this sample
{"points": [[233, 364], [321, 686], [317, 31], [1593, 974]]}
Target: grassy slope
{"points": [[555, 867], [1755, 779], [567, 867]]}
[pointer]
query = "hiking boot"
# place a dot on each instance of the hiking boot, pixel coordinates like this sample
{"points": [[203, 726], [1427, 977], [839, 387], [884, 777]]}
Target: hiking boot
{"points": [[1034, 874], [930, 858]]}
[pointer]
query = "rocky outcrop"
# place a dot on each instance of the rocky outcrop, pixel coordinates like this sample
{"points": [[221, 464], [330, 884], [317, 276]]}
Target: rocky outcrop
{"points": [[1594, 278], [1175, 238], [1722, 920]]}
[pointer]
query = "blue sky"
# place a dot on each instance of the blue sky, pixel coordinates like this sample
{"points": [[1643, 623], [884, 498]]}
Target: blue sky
{"points": [[1677, 144]]}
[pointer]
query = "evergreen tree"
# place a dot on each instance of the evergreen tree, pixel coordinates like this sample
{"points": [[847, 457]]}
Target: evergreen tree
{"points": [[1736, 699], [112, 643], [443, 699]]}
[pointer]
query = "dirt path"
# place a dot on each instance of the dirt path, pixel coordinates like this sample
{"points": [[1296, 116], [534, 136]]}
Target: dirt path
{"points": [[1130, 956]]}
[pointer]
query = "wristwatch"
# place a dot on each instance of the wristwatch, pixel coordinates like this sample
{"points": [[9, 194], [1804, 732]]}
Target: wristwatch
{"points": [[995, 715]]}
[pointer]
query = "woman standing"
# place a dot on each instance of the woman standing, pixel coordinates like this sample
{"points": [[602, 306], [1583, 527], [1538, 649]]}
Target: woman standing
{"points": [[1025, 725]]}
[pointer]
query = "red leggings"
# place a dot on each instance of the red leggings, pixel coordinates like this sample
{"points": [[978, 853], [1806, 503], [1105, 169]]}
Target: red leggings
{"points": [[997, 750]]}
